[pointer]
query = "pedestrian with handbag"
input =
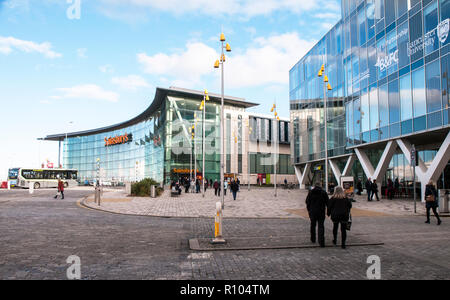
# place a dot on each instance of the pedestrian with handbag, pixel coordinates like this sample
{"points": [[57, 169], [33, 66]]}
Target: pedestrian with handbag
{"points": [[431, 202], [339, 209], [60, 189]]}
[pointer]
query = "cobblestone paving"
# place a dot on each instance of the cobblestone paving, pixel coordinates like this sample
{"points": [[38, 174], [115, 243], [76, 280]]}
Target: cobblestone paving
{"points": [[38, 234], [256, 203]]}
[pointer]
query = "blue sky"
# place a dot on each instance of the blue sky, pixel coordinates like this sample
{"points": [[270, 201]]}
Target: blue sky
{"points": [[103, 68]]}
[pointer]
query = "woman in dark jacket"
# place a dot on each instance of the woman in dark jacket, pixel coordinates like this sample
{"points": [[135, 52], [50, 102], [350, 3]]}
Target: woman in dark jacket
{"points": [[431, 202], [339, 210]]}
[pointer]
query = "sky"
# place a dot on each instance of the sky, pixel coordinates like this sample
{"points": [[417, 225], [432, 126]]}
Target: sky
{"points": [[70, 65]]}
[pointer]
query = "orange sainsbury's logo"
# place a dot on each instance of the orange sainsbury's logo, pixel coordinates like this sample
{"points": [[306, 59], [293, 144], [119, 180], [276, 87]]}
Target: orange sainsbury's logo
{"points": [[120, 139]]}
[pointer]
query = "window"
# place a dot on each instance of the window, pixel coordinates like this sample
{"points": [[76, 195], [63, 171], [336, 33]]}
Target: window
{"points": [[445, 13], [357, 118], [431, 39], [394, 102], [362, 26], [445, 81], [405, 97], [418, 88], [392, 52], [415, 36], [403, 39], [372, 53], [383, 105], [365, 120], [370, 13], [402, 7], [433, 87], [373, 100], [390, 12], [381, 58]]}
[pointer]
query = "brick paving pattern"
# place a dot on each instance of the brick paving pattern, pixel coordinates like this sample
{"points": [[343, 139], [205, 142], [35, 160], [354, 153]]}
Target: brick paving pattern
{"points": [[39, 233]]}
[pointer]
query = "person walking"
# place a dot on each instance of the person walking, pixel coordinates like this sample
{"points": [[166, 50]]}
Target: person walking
{"points": [[216, 187], [431, 202], [359, 187], [339, 210], [225, 187], [238, 182], [316, 204], [375, 190], [197, 186], [234, 188], [192, 185], [369, 189], [60, 189]]}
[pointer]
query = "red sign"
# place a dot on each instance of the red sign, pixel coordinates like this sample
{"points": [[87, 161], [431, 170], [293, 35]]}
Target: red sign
{"points": [[50, 165]]}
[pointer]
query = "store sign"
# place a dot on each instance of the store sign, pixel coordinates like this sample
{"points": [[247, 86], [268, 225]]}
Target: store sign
{"points": [[440, 32], [183, 171], [118, 140]]}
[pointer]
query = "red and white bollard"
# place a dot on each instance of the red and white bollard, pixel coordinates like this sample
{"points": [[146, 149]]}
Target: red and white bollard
{"points": [[218, 239]]}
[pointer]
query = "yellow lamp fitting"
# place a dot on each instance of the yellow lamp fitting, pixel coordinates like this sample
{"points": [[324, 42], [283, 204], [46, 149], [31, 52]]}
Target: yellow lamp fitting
{"points": [[325, 78], [206, 92], [271, 110], [228, 47], [207, 98], [217, 64], [329, 87], [223, 58], [222, 37]]}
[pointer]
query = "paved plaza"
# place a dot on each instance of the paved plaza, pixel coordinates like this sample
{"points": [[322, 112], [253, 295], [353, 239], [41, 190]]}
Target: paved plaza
{"points": [[257, 203], [39, 233]]}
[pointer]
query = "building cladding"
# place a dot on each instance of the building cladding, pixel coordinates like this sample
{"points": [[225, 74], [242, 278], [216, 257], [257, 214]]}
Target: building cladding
{"points": [[158, 143], [388, 64]]}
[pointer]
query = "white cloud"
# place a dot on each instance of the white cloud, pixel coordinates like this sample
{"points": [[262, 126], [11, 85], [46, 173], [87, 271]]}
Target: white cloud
{"points": [[9, 44], [267, 61], [130, 82], [106, 69], [81, 52], [87, 91], [190, 64], [246, 8]]}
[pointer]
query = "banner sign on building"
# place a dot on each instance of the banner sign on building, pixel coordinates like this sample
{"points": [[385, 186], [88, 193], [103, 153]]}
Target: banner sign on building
{"points": [[117, 140]]}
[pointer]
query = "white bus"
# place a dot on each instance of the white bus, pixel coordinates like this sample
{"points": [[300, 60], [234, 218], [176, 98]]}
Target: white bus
{"points": [[46, 178]]}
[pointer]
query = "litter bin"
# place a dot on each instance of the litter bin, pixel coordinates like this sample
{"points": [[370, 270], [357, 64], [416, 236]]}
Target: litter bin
{"points": [[444, 196]]}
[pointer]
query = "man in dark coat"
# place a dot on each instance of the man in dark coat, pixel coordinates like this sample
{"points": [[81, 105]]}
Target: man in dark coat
{"points": [[317, 203], [369, 189], [375, 190]]}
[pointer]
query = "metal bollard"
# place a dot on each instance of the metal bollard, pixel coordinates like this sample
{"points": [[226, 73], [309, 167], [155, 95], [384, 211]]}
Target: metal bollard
{"points": [[31, 188], [218, 239], [97, 195]]}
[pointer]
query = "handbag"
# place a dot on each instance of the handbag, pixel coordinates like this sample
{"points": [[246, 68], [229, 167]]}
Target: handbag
{"points": [[430, 198], [348, 225]]}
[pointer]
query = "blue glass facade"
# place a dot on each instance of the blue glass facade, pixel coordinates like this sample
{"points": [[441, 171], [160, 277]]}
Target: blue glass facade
{"points": [[388, 64]]}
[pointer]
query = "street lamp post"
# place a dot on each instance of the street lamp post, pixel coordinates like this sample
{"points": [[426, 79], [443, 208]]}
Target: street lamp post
{"points": [[326, 88], [248, 153], [203, 108], [276, 118], [217, 64]]}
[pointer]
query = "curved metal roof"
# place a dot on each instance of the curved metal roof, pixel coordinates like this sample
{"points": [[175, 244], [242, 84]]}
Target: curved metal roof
{"points": [[160, 95]]}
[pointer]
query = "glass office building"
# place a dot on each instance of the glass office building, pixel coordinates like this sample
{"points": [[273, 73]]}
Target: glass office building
{"points": [[156, 144], [388, 64]]}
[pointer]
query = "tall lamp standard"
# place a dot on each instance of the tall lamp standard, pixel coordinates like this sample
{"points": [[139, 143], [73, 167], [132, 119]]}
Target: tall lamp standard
{"points": [[203, 108], [248, 152], [217, 64], [326, 88], [276, 118]]}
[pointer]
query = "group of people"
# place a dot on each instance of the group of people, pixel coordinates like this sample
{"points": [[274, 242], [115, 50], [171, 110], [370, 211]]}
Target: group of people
{"points": [[372, 189], [233, 185], [194, 186], [338, 208]]}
